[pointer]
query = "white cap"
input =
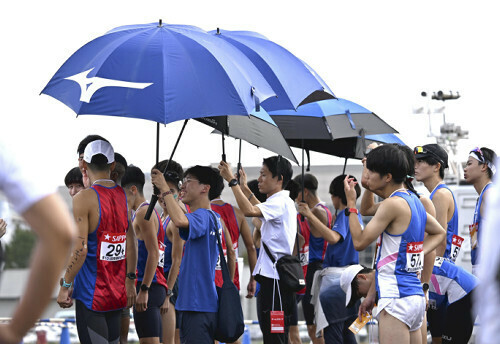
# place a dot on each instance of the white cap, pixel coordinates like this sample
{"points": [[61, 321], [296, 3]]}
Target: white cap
{"points": [[346, 279], [99, 147]]}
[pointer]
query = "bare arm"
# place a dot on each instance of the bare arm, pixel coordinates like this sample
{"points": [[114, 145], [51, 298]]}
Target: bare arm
{"points": [[440, 202], [148, 231], [177, 245], [368, 205], [241, 193], [435, 232], [177, 215], [50, 220], [231, 255], [319, 227], [131, 263]]}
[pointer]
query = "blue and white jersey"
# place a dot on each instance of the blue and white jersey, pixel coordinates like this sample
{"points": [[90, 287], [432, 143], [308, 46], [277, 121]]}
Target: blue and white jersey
{"points": [[450, 280], [401, 256], [453, 240], [475, 228]]}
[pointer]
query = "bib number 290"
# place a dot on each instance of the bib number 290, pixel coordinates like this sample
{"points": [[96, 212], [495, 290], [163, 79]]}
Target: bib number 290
{"points": [[112, 247]]}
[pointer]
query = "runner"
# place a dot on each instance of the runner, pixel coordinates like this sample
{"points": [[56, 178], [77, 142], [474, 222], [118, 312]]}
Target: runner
{"points": [[197, 300], [279, 230], [151, 284], [116, 176], [401, 221], [431, 162], [104, 253], [479, 171], [328, 298], [74, 181], [48, 217], [317, 246], [173, 254], [237, 224]]}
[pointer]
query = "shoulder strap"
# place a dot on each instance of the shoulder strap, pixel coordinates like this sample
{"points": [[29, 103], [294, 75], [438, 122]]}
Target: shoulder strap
{"points": [[270, 255], [223, 264]]}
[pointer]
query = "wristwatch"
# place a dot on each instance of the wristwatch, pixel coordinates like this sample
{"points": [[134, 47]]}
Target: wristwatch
{"points": [[63, 283], [233, 182], [351, 210], [425, 286], [132, 275], [144, 287], [169, 292]]}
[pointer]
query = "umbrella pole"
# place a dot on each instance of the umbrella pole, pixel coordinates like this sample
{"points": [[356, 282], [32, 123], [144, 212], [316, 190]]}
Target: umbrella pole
{"points": [[223, 148], [154, 196], [157, 142], [239, 163], [302, 179], [345, 165]]}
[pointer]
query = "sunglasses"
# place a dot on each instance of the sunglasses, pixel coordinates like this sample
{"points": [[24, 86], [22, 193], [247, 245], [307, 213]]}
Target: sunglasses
{"points": [[422, 150], [477, 151]]}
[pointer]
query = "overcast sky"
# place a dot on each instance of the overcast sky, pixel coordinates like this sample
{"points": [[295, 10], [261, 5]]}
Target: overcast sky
{"points": [[380, 54]]}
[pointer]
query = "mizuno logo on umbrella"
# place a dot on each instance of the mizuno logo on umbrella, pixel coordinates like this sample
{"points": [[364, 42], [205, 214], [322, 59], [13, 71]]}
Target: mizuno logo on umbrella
{"points": [[89, 86]]}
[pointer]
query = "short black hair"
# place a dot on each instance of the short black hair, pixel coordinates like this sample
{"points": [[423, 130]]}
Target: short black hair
{"points": [[134, 176], [120, 168], [355, 287], [277, 164], [491, 157], [253, 185], [74, 176], [294, 188], [216, 190], [337, 188], [310, 182], [389, 158], [173, 173], [204, 174], [89, 138]]}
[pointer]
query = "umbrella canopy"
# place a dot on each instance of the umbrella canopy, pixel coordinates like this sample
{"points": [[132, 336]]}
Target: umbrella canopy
{"points": [[328, 120], [157, 72], [258, 129], [294, 82]]}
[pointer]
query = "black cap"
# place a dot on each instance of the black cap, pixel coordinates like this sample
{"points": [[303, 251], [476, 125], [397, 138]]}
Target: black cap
{"points": [[432, 150]]}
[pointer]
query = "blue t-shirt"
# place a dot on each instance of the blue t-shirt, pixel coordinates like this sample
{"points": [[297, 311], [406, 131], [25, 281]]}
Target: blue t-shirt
{"points": [[197, 273], [342, 253]]}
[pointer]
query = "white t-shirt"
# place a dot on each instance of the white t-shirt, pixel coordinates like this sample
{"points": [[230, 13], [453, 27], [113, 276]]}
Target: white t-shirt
{"points": [[487, 296], [22, 190], [279, 227]]}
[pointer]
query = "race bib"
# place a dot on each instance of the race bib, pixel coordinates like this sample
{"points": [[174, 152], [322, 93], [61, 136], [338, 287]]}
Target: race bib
{"points": [[414, 256], [304, 256], [456, 244], [161, 260], [112, 246], [218, 265], [473, 235], [438, 262]]}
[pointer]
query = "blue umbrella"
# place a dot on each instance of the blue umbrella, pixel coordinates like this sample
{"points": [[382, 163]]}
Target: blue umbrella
{"points": [[328, 120], [294, 82], [162, 73]]}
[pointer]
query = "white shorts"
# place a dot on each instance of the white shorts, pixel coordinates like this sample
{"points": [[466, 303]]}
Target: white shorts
{"points": [[410, 309]]}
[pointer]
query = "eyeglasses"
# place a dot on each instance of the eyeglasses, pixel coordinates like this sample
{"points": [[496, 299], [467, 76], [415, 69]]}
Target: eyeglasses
{"points": [[422, 150], [189, 180]]}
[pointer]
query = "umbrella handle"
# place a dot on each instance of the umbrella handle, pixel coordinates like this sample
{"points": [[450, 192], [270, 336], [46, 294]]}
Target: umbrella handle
{"points": [[154, 197]]}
